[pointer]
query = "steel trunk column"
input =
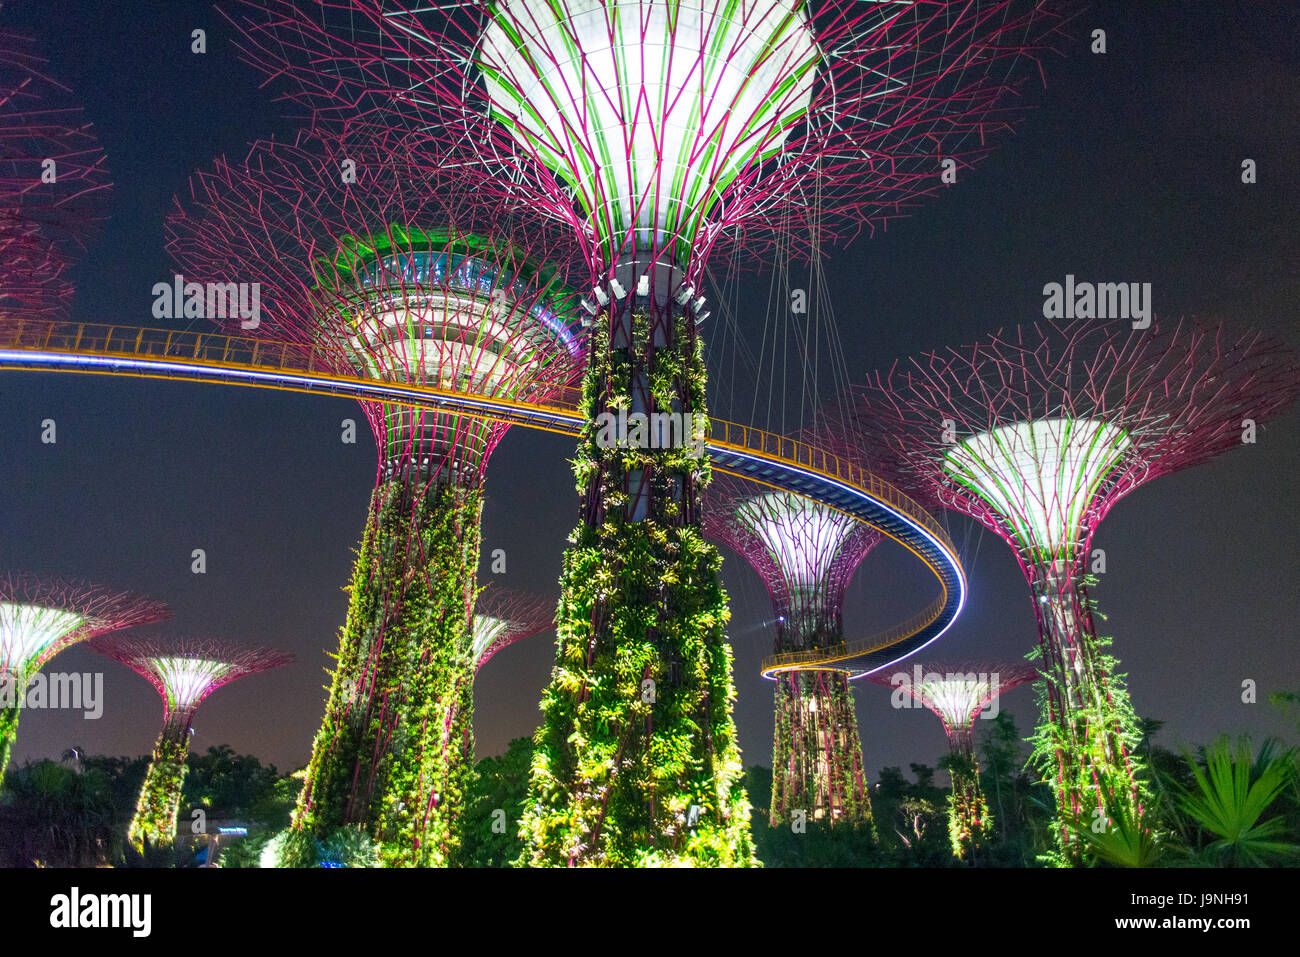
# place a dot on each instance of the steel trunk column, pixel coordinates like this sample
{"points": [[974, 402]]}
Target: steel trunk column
{"points": [[637, 761]]}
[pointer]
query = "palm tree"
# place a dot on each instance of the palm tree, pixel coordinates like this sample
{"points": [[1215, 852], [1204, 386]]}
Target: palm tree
{"points": [[1123, 839], [1233, 793]]}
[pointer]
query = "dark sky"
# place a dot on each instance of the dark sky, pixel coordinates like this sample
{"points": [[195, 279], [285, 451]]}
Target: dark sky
{"points": [[1128, 170]]}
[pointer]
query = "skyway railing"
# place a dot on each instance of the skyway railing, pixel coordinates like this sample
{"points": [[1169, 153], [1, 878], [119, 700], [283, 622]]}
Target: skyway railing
{"points": [[265, 363]]}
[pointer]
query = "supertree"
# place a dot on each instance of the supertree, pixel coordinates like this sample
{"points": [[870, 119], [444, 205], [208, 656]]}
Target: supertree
{"points": [[53, 184], [806, 554], [503, 616], [660, 132], [957, 694], [184, 672], [39, 617], [400, 275], [1036, 434]]}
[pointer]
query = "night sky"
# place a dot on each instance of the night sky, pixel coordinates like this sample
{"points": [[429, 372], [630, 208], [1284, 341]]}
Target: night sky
{"points": [[1127, 170]]}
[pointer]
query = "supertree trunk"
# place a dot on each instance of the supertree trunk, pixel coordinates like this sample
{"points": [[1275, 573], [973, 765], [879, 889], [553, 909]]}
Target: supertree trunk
{"points": [[394, 750], [969, 819], [39, 618], [637, 761], [13, 686], [160, 795], [8, 727], [816, 752], [806, 554], [1083, 740]]}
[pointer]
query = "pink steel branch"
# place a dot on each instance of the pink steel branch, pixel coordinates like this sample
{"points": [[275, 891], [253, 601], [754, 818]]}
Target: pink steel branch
{"points": [[523, 615], [53, 184], [279, 217], [901, 87], [1179, 392], [100, 609], [962, 692], [157, 659]]}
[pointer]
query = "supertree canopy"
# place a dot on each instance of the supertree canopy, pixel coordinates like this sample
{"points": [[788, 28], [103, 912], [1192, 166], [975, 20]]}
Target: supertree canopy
{"points": [[39, 618], [659, 131], [53, 184], [957, 694], [502, 617], [184, 672], [404, 275], [806, 553], [1036, 434]]}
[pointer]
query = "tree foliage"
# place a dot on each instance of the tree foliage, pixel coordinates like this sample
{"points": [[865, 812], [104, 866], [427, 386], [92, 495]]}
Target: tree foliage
{"points": [[394, 753], [637, 762], [491, 823], [1235, 802]]}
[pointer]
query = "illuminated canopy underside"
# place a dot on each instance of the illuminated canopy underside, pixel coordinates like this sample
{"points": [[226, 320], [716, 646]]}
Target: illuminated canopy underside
{"points": [[954, 697], [486, 631], [455, 322], [28, 631], [456, 326], [187, 681], [648, 108], [1040, 476], [802, 536]]}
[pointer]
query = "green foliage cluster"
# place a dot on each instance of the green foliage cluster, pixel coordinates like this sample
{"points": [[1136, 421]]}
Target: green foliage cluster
{"points": [[76, 813], [637, 762], [270, 814], [160, 795], [969, 820], [809, 843], [395, 750], [912, 819], [231, 785], [345, 846], [1233, 803], [8, 732], [348, 847], [51, 816], [491, 823], [1226, 807], [1089, 747], [1021, 805], [818, 752], [238, 787]]}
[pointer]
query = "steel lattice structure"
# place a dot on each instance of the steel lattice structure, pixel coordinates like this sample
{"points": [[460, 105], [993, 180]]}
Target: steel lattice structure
{"points": [[183, 672], [659, 132], [53, 185], [403, 275], [957, 694], [40, 617], [503, 617], [342, 264], [781, 118], [805, 553], [1036, 433]]}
